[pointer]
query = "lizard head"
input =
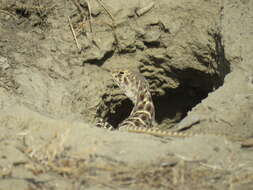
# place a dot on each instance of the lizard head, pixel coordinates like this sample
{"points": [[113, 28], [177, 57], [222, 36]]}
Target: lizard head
{"points": [[130, 82]]}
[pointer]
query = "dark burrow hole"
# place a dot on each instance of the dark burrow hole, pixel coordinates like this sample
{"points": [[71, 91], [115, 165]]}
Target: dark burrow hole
{"points": [[194, 87], [175, 103], [121, 112]]}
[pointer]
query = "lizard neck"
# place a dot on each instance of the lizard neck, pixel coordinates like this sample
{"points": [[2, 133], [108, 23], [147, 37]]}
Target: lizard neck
{"points": [[143, 113]]}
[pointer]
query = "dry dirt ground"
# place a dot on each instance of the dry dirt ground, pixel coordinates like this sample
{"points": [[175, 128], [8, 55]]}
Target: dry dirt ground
{"points": [[197, 56]]}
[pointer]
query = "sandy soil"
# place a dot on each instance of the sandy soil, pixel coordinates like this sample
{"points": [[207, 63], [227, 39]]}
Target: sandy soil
{"points": [[196, 55]]}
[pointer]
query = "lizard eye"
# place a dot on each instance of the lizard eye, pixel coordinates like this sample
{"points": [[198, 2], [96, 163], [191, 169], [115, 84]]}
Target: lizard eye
{"points": [[120, 74]]}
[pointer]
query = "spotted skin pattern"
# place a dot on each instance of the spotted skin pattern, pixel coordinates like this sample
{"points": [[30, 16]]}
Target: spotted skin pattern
{"points": [[142, 117], [137, 89]]}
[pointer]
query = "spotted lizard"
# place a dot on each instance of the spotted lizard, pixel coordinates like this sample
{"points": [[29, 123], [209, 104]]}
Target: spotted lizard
{"points": [[142, 116]]}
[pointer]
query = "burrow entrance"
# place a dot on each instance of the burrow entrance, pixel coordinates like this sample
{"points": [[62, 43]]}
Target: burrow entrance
{"points": [[173, 106]]}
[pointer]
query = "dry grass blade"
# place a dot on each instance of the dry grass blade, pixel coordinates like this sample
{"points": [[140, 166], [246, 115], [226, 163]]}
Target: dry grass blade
{"points": [[106, 10], [7, 13], [74, 34], [90, 20]]}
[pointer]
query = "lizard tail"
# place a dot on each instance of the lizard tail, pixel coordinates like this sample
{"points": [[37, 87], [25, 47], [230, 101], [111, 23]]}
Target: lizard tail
{"points": [[155, 131]]}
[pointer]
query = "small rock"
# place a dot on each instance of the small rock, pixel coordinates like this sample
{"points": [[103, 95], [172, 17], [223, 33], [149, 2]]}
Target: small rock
{"points": [[4, 63]]}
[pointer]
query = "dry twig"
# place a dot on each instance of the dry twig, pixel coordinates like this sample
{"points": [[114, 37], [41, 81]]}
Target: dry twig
{"points": [[90, 19], [74, 35], [107, 11], [113, 26], [145, 9]]}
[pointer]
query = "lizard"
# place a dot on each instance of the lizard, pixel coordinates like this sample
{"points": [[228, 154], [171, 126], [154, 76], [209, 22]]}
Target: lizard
{"points": [[142, 116]]}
